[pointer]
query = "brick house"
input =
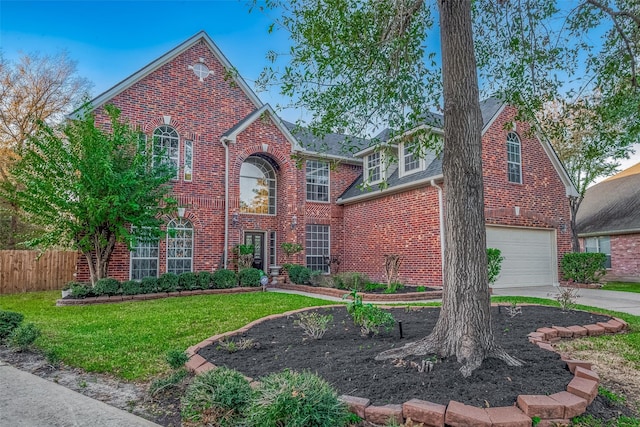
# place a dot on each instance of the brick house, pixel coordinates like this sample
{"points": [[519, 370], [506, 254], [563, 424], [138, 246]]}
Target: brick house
{"points": [[244, 177], [608, 221]]}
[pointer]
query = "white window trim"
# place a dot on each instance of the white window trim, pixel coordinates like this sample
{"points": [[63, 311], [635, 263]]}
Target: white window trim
{"points": [[401, 161], [157, 258], [153, 146], [328, 246], [383, 168], [184, 167], [514, 163], [275, 189], [193, 235], [328, 182]]}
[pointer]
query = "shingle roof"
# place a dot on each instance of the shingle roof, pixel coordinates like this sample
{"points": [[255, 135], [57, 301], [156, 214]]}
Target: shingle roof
{"points": [[612, 206], [335, 144]]}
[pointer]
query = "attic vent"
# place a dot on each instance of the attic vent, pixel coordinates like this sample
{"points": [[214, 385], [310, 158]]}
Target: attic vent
{"points": [[200, 70]]}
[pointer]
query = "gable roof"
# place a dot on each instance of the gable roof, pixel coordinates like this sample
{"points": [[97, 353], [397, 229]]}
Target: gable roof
{"points": [[331, 145], [612, 206]]}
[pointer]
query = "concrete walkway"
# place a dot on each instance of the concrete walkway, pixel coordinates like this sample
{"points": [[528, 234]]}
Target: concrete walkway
{"points": [[27, 400]]}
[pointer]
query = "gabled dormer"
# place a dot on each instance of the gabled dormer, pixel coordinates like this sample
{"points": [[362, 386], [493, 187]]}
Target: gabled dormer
{"points": [[378, 163]]}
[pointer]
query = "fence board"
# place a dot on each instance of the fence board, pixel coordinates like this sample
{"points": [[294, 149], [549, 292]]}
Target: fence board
{"points": [[21, 271]]}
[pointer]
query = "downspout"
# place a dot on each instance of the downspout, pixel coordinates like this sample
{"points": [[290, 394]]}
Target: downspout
{"points": [[441, 213], [225, 254]]}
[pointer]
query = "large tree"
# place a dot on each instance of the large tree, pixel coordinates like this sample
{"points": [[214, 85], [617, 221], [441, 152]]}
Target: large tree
{"points": [[89, 188], [34, 88], [359, 65]]}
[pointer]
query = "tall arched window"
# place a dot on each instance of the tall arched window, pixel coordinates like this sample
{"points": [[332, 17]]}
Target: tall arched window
{"points": [[257, 186], [514, 158], [166, 145], [179, 246]]}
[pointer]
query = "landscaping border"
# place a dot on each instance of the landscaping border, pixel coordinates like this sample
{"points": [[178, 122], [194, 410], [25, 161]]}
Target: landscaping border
{"points": [[339, 293], [551, 410]]}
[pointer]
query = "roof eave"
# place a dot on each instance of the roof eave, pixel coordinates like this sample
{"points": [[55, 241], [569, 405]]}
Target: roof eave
{"points": [[610, 232], [390, 190]]}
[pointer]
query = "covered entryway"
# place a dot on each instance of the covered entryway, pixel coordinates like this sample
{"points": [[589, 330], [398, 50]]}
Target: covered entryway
{"points": [[529, 256]]}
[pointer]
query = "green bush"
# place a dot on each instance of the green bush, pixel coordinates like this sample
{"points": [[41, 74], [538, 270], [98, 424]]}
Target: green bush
{"points": [[494, 264], [205, 280], [188, 281], [159, 385], [223, 391], [224, 279], [149, 285], [176, 358], [584, 267], [131, 287], [168, 282], [9, 320], [295, 399], [250, 277], [299, 274], [369, 317], [107, 286], [22, 337], [351, 280], [81, 290]]}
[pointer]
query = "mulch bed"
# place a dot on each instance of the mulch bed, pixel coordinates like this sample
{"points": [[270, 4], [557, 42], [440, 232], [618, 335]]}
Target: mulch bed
{"points": [[346, 359]]}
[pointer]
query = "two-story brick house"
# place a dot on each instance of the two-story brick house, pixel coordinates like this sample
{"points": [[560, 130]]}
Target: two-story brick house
{"points": [[243, 177]]}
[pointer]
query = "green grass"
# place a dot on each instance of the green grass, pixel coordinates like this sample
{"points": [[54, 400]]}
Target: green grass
{"points": [[130, 339], [622, 286]]}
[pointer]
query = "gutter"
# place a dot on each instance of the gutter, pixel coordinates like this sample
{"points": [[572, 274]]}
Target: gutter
{"points": [[225, 254], [610, 233], [389, 190], [441, 214]]}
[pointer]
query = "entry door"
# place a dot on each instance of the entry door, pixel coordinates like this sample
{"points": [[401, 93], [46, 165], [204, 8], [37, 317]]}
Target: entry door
{"points": [[257, 240]]}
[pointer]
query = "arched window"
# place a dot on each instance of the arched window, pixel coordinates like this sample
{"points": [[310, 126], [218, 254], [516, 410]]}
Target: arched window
{"points": [[179, 246], [166, 145], [257, 186], [514, 158]]}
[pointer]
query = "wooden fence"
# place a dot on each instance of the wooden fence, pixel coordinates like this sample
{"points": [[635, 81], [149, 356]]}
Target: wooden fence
{"points": [[22, 271]]}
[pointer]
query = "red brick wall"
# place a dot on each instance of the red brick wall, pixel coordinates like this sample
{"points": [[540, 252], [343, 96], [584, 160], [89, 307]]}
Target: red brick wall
{"points": [[625, 258]]}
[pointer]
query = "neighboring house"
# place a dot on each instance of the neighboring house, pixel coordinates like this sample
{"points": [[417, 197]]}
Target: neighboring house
{"points": [[244, 177], [608, 221]]}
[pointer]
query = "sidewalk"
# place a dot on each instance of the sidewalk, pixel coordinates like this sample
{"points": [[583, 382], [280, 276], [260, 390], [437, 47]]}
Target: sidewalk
{"points": [[27, 400]]}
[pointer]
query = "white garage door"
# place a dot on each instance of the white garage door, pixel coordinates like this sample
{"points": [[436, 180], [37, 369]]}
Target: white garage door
{"points": [[529, 256]]}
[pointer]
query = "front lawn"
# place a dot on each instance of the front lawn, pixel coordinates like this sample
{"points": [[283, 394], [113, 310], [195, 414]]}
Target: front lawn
{"points": [[130, 339], [622, 286]]}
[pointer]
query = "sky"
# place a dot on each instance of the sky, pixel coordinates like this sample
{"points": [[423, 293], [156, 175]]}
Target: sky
{"points": [[110, 40]]}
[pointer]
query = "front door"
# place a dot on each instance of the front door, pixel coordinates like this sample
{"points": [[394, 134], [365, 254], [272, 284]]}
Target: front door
{"points": [[257, 240]]}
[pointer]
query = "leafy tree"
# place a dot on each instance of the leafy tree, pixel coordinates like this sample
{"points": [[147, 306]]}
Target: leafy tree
{"points": [[33, 89], [360, 65], [89, 188]]}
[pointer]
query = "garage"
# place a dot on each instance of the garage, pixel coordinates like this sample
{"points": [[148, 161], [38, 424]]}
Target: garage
{"points": [[529, 256]]}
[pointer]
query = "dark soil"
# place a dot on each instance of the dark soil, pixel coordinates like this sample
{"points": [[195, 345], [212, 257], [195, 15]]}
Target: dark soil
{"points": [[346, 359]]}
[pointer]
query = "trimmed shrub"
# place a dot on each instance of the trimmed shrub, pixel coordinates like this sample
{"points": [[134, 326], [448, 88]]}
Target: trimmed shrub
{"points": [[221, 391], [131, 287], [188, 281], [176, 358], [22, 337], [205, 280], [81, 290], [296, 399], [107, 286], [9, 320], [149, 285], [494, 264], [224, 279], [351, 280], [584, 267], [168, 282], [299, 274], [250, 277]]}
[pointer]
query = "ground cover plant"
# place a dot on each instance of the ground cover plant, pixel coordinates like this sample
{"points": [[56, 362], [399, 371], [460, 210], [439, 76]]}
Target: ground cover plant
{"points": [[622, 286]]}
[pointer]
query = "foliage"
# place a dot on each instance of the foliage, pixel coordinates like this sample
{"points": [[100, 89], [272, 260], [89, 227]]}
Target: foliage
{"points": [[205, 280], [89, 188], [131, 287], [369, 317], [188, 281], [299, 274], [222, 390], [245, 255], [622, 286], [232, 346], [9, 320], [566, 298], [314, 324], [80, 290], [23, 337], [174, 379], [107, 286], [291, 248], [393, 288], [494, 263], [149, 285], [583, 267], [391, 268], [250, 277], [295, 399], [223, 279], [351, 280], [176, 358], [514, 309], [421, 288], [168, 282]]}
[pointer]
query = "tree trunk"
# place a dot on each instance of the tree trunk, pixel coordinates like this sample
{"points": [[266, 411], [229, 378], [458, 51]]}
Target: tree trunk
{"points": [[574, 205], [463, 329], [98, 259]]}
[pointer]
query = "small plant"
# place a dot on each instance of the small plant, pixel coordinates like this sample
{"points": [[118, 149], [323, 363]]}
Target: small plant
{"points": [[149, 285], [174, 379], [168, 282], [22, 337], [313, 324], [393, 288], [290, 248], [611, 396], [494, 264], [188, 281], [513, 310], [205, 280], [245, 256], [52, 358], [176, 358], [107, 286], [222, 392], [369, 317], [9, 320], [535, 421], [351, 280], [233, 346], [250, 277], [296, 400], [299, 274], [224, 279], [585, 267], [131, 287], [421, 288], [566, 297]]}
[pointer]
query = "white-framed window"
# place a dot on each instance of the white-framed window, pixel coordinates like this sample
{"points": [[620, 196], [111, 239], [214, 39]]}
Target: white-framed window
{"points": [[600, 244], [273, 259], [514, 158], [318, 247], [373, 168], [317, 180], [188, 160], [410, 160], [166, 146], [144, 258], [257, 186], [179, 246]]}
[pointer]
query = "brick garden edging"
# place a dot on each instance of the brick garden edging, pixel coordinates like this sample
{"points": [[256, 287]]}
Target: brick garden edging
{"points": [[156, 295], [553, 410], [339, 293]]}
